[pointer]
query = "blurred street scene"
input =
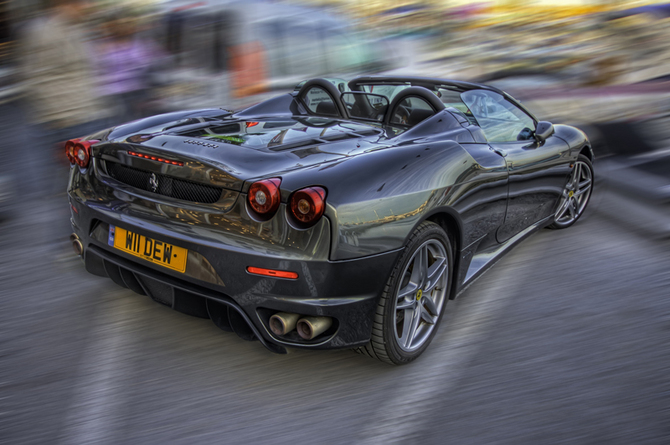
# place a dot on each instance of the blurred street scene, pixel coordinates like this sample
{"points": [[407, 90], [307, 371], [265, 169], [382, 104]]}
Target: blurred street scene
{"points": [[600, 65], [565, 340]]}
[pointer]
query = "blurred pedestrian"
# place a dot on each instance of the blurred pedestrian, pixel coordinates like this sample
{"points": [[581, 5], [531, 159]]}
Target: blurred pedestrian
{"points": [[61, 92], [124, 63], [56, 67]]}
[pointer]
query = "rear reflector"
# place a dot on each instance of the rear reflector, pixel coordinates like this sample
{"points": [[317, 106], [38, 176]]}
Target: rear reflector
{"points": [[155, 158], [272, 273]]}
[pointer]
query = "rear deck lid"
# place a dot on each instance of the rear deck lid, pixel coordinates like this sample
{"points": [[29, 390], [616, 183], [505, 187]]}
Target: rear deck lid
{"points": [[226, 153]]}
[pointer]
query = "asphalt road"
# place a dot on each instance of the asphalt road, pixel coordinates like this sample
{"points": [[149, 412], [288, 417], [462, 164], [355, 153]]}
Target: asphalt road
{"points": [[565, 340]]}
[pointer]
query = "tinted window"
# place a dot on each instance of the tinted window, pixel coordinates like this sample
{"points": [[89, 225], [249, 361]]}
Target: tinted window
{"points": [[318, 101], [365, 105], [501, 120], [410, 111]]}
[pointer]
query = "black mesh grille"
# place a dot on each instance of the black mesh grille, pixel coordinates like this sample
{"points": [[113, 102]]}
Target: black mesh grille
{"points": [[167, 185]]}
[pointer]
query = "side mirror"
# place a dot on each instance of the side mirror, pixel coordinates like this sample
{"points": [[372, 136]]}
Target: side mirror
{"points": [[544, 130]]}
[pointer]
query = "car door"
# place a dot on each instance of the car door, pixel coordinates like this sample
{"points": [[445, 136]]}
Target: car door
{"points": [[537, 170]]}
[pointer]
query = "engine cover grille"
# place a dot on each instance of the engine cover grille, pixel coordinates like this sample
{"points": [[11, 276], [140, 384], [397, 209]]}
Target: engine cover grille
{"points": [[163, 184]]}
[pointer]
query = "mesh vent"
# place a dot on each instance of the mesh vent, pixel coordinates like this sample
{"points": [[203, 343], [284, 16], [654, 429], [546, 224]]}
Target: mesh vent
{"points": [[164, 185]]}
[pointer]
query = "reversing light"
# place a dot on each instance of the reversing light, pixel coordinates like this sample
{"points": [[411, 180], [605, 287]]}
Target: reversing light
{"points": [[307, 205], [264, 197], [272, 273]]}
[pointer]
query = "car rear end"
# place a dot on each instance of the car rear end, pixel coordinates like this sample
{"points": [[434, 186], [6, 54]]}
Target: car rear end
{"points": [[163, 219]]}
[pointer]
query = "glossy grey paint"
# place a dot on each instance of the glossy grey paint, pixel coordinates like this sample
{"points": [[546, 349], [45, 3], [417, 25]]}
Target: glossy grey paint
{"points": [[388, 192], [576, 140], [220, 225], [379, 188], [538, 172], [379, 185]]}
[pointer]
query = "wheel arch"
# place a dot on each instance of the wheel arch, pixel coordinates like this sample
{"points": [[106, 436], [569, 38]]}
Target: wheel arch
{"points": [[449, 220], [588, 152]]}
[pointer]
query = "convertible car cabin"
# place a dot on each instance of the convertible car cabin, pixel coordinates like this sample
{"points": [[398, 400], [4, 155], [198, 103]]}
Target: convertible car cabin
{"points": [[340, 215]]}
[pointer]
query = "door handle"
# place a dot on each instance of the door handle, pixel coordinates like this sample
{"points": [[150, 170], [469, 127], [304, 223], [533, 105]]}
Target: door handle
{"points": [[500, 151]]}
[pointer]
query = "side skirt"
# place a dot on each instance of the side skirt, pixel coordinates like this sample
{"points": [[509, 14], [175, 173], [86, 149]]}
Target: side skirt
{"points": [[484, 260]]}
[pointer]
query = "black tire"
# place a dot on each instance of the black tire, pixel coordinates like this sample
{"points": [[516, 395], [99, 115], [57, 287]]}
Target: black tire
{"points": [[576, 194], [396, 344]]}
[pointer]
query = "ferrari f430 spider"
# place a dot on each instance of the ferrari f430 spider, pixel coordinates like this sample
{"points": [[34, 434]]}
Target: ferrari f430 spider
{"points": [[340, 215]]}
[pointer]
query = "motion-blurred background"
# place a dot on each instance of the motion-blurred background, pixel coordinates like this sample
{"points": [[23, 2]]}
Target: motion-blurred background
{"points": [[565, 340], [601, 64]]}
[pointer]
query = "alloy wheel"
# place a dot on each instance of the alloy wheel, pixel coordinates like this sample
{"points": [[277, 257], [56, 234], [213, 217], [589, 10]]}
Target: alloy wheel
{"points": [[421, 295], [575, 195]]}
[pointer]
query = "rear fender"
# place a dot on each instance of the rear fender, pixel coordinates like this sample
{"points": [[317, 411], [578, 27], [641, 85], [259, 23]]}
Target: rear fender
{"points": [[375, 200]]}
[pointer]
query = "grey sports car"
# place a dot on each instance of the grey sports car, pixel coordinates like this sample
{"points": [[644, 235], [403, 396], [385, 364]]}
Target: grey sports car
{"points": [[340, 215]]}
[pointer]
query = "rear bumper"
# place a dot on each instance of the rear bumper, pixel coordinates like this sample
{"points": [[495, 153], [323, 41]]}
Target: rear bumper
{"points": [[216, 275]]}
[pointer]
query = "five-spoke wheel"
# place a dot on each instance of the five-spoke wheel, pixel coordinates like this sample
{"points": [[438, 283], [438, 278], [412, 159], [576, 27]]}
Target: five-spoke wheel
{"points": [[414, 299], [412, 304], [420, 297], [575, 195]]}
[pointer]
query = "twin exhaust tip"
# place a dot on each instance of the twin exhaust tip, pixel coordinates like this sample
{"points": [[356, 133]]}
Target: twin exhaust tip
{"points": [[76, 244], [282, 323]]}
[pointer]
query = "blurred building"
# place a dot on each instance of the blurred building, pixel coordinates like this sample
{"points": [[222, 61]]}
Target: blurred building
{"points": [[5, 32]]}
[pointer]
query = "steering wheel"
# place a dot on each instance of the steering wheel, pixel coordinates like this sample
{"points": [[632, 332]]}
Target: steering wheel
{"points": [[400, 115]]}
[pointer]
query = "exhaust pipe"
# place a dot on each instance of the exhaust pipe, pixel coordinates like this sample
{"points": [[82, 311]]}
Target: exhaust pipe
{"points": [[310, 327], [76, 244], [282, 323]]}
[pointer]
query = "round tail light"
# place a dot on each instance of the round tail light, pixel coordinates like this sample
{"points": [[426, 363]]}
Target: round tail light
{"points": [[82, 153], [79, 152], [69, 150], [264, 197], [307, 205]]}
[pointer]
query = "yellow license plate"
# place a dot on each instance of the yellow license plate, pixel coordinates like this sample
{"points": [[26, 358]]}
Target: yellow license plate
{"points": [[158, 252]]}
